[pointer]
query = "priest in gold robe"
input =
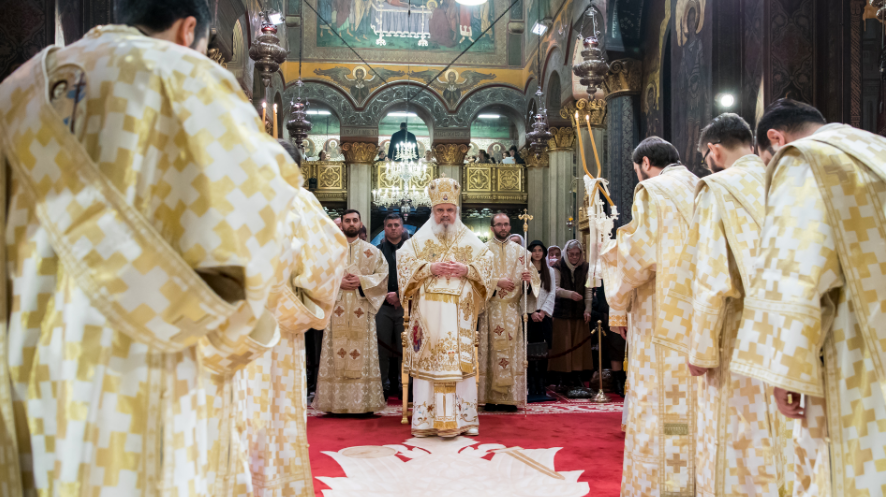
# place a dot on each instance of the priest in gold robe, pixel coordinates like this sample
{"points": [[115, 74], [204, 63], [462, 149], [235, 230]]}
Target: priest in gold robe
{"points": [[813, 321], [660, 436], [349, 379], [742, 438], [144, 230], [502, 344], [446, 273], [271, 391]]}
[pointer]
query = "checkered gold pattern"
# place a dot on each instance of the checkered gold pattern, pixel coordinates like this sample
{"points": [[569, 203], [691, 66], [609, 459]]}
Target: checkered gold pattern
{"points": [[819, 289], [113, 388], [660, 439], [739, 445]]}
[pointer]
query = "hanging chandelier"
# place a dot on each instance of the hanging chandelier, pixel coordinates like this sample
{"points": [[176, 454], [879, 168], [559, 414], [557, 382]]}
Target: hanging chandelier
{"points": [[593, 68], [298, 124], [402, 170], [540, 134], [266, 51]]}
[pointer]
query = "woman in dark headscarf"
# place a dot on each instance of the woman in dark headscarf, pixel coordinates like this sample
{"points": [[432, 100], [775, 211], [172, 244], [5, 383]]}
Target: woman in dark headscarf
{"points": [[572, 313], [540, 310]]}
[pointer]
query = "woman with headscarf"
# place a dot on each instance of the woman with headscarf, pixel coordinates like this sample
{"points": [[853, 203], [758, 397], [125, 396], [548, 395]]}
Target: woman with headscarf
{"points": [[572, 313], [540, 310]]}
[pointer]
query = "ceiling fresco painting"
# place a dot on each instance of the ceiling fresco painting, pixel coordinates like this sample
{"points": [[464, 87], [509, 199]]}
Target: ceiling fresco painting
{"points": [[384, 31], [359, 82]]}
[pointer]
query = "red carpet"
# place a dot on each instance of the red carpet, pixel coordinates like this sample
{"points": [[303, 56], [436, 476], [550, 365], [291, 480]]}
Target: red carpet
{"points": [[591, 441]]}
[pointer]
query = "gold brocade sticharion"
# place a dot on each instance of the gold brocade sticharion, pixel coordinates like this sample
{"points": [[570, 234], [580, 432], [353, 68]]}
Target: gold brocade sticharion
{"points": [[660, 435]]}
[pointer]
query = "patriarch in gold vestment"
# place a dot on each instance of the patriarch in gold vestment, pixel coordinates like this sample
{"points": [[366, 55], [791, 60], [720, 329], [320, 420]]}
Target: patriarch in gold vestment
{"points": [[144, 234], [349, 379], [742, 438], [813, 321], [446, 272], [660, 435]]}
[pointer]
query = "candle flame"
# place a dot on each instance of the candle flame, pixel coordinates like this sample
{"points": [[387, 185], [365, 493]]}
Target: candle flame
{"points": [[275, 107], [264, 105]]}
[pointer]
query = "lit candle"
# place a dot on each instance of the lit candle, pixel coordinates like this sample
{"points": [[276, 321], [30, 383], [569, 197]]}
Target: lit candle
{"points": [[275, 121], [264, 112], [581, 146]]}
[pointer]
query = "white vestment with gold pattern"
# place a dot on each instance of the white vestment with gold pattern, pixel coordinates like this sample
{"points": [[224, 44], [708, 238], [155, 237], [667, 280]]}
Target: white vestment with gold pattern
{"points": [[502, 344], [439, 353], [143, 237], [349, 379], [814, 320], [743, 444], [660, 434]]}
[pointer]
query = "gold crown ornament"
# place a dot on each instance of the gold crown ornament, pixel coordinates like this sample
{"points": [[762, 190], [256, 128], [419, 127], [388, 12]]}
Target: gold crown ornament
{"points": [[443, 190]]}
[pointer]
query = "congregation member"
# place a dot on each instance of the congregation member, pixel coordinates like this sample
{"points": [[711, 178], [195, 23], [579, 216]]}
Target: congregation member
{"points": [[389, 320], [541, 310], [571, 350], [658, 456], [128, 345], [502, 383], [813, 323], [739, 430], [518, 239], [446, 271], [553, 255], [349, 379]]}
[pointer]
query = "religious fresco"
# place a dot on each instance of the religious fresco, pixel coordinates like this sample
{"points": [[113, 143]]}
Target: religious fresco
{"points": [[659, 15], [356, 80], [691, 79], [397, 31], [451, 84], [360, 82]]}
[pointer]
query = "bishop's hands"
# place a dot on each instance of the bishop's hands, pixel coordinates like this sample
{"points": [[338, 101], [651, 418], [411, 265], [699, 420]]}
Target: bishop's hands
{"points": [[449, 269], [350, 282], [789, 403]]}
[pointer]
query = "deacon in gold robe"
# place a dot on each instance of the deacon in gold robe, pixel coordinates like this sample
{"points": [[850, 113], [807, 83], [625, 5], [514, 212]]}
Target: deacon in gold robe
{"points": [[502, 344], [272, 389], [741, 440], [660, 436], [143, 234], [349, 379], [446, 272], [813, 321]]}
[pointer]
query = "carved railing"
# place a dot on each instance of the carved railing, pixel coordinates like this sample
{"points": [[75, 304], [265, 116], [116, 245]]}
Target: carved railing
{"points": [[331, 180], [494, 183]]}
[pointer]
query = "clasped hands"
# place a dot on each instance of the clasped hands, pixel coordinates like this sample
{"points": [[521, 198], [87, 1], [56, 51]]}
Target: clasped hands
{"points": [[449, 269], [350, 282]]}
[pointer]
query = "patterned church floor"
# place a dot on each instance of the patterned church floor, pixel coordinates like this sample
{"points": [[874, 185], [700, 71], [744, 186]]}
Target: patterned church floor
{"points": [[565, 448]]}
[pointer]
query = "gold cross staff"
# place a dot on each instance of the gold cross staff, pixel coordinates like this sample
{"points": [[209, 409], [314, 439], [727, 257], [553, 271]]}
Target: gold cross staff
{"points": [[525, 217]]}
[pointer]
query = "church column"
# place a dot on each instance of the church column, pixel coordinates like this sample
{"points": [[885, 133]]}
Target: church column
{"points": [[622, 126], [359, 157], [561, 175], [537, 173]]}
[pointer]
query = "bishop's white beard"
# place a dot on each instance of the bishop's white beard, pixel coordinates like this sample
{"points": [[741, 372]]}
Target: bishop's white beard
{"points": [[443, 230]]}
